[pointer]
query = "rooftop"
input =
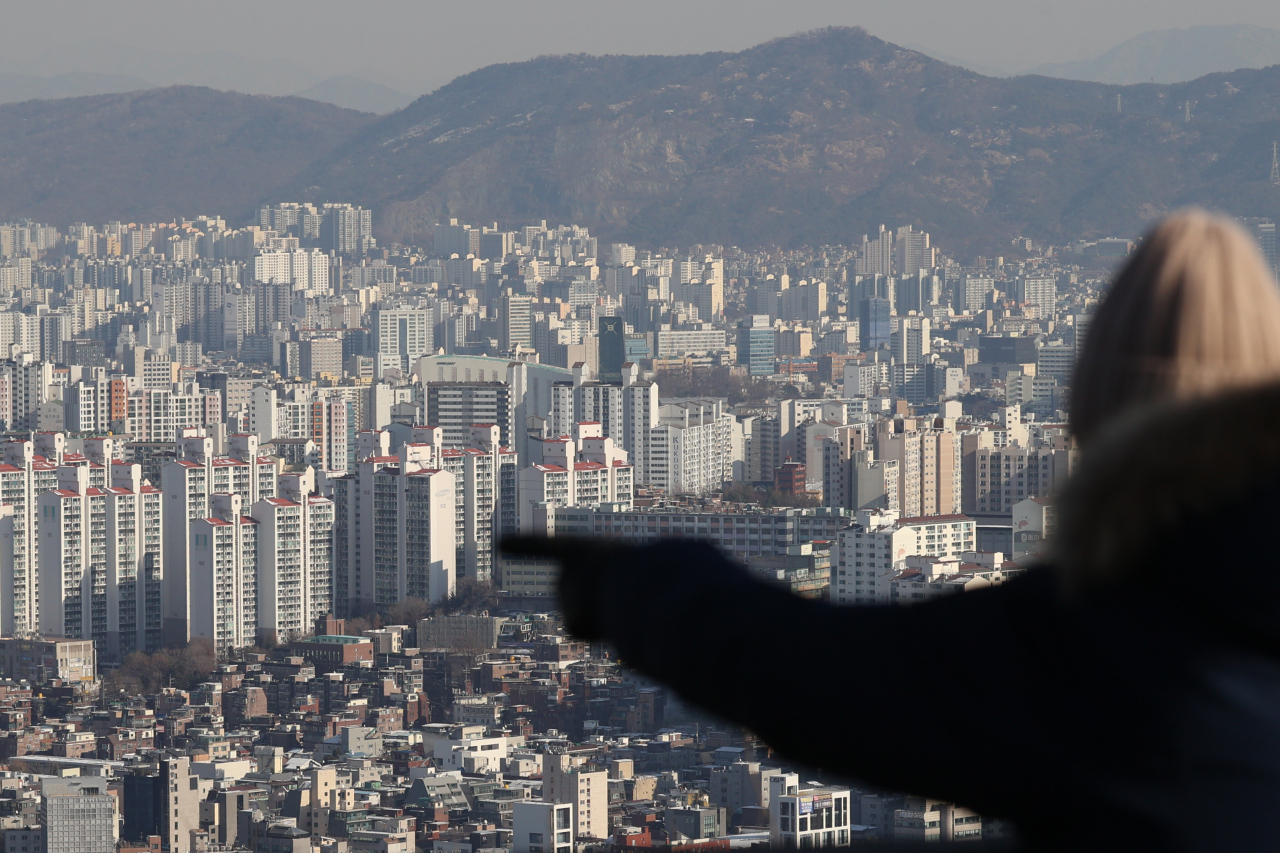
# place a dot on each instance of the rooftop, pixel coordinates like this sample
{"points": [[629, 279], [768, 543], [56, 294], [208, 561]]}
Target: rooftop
{"points": [[335, 640]]}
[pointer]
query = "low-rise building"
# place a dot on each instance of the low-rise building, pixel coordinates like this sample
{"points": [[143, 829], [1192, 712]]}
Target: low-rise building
{"points": [[872, 551], [808, 815], [542, 828], [41, 660], [925, 819], [333, 650]]}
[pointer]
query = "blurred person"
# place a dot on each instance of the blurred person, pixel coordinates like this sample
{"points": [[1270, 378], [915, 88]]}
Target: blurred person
{"points": [[1125, 697], [1195, 311]]}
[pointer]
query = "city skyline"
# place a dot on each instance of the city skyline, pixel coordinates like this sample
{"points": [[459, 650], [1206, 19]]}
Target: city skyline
{"points": [[660, 438]]}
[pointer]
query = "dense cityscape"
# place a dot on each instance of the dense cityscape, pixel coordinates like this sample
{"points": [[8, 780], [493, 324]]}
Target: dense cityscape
{"points": [[254, 477]]}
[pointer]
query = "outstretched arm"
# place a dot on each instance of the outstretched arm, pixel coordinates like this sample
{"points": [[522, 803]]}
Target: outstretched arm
{"points": [[828, 686]]}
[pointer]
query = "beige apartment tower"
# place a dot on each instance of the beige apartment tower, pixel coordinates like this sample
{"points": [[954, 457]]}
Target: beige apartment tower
{"points": [[586, 790]]}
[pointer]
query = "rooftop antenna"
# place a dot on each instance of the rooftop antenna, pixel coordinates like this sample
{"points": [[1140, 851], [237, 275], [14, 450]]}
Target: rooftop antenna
{"points": [[1275, 163]]}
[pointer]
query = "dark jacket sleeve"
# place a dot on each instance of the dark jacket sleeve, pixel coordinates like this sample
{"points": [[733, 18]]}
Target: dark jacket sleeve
{"points": [[916, 698]]}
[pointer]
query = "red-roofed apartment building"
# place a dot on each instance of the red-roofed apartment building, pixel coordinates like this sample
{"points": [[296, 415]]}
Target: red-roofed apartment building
{"points": [[395, 531], [189, 482], [100, 560], [584, 469]]}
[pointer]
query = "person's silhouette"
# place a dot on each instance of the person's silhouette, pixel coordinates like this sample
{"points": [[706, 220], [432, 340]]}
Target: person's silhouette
{"points": [[1126, 697]]}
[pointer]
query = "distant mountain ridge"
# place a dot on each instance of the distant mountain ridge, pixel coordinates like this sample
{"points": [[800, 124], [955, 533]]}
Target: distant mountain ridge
{"points": [[158, 154], [1175, 56], [102, 67], [354, 93], [816, 138]]}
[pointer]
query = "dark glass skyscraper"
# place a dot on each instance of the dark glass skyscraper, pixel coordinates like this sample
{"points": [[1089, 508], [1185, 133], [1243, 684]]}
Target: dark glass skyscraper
{"points": [[613, 347]]}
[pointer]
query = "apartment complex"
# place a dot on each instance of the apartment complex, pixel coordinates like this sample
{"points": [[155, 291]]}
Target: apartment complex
{"points": [[869, 553], [189, 484], [395, 529], [101, 563]]}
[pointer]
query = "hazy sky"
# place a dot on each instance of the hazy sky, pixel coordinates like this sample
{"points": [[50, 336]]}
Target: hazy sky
{"points": [[417, 46]]}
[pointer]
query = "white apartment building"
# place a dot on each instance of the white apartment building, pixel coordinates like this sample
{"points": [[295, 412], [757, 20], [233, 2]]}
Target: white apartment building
{"points": [[542, 828], [86, 405], [101, 560], [676, 342], [189, 483], [1040, 291], [406, 333], [1056, 360], [852, 477], [805, 301], [690, 450], [29, 468], [871, 552], [910, 341], [515, 321], [331, 429], [529, 389], [466, 748], [995, 479], [304, 269], [865, 379], [587, 791], [806, 816], [621, 254], [295, 563], [456, 406], [15, 274], [321, 415], [795, 341], [876, 256], [625, 412], [223, 562], [485, 476], [707, 296], [486, 483], [830, 422], [912, 251], [20, 333], [585, 400], [395, 529], [28, 382], [584, 470], [161, 414]]}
